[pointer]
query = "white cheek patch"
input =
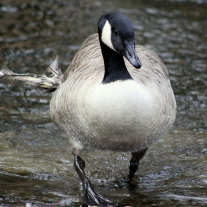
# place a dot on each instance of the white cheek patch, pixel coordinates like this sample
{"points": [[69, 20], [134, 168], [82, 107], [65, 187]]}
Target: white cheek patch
{"points": [[106, 35]]}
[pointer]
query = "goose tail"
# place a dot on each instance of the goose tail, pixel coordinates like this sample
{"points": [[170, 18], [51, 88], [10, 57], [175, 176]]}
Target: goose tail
{"points": [[48, 81]]}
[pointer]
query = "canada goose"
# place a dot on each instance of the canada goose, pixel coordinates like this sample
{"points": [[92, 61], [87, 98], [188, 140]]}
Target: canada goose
{"points": [[107, 102]]}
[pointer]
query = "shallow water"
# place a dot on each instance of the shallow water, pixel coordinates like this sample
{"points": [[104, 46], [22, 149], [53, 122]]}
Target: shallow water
{"points": [[35, 165]]}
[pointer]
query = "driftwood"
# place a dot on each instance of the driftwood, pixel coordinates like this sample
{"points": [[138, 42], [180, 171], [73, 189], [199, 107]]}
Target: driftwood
{"points": [[49, 82]]}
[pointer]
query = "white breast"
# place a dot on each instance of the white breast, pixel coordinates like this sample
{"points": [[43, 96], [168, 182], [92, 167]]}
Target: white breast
{"points": [[120, 99], [119, 116]]}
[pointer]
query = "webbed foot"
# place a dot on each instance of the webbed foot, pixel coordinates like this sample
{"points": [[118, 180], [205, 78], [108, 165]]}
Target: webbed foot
{"points": [[134, 162], [90, 196]]}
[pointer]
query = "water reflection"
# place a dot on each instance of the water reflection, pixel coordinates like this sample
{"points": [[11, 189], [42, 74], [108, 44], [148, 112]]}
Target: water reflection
{"points": [[35, 165]]}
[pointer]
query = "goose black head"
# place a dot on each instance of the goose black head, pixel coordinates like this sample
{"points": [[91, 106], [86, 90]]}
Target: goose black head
{"points": [[117, 32]]}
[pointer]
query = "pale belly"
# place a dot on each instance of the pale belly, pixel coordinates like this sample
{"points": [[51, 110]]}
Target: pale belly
{"points": [[122, 116]]}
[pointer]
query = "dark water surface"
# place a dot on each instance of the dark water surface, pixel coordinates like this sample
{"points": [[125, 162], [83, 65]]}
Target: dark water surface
{"points": [[35, 164]]}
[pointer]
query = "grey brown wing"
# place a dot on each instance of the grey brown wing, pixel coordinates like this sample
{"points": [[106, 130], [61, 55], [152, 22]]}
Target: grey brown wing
{"points": [[152, 70], [88, 60]]}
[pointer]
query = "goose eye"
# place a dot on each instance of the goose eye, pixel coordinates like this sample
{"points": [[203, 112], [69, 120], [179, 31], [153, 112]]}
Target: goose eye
{"points": [[115, 31]]}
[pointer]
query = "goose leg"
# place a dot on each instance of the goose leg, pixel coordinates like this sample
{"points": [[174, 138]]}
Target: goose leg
{"points": [[90, 196], [134, 162]]}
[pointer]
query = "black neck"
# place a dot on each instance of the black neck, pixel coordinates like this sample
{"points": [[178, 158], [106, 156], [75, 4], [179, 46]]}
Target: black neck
{"points": [[115, 68]]}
